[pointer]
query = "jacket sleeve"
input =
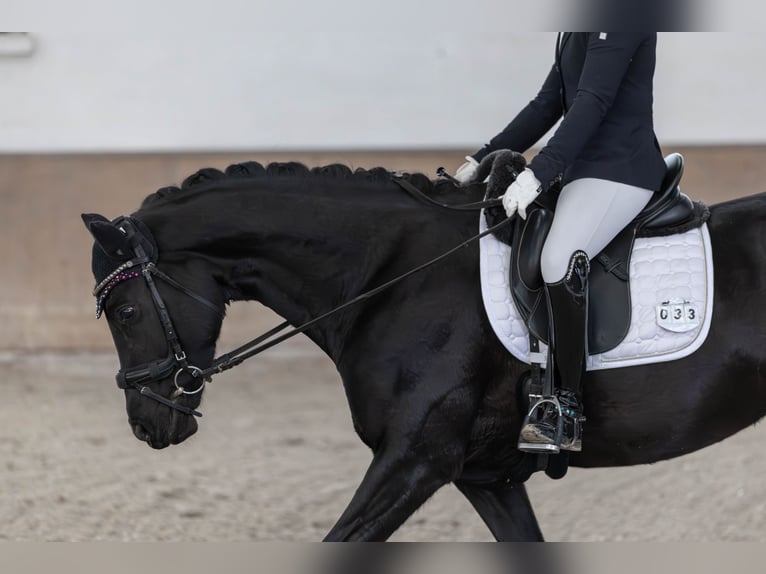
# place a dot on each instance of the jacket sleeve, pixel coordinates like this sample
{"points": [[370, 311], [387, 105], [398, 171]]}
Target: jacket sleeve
{"points": [[607, 60], [531, 123]]}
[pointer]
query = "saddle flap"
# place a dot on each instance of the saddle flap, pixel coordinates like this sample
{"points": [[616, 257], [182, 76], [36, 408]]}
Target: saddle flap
{"points": [[526, 279], [530, 247], [609, 307]]}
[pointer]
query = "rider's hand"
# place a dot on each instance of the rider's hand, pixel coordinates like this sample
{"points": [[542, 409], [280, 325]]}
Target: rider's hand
{"points": [[521, 193], [466, 172]]}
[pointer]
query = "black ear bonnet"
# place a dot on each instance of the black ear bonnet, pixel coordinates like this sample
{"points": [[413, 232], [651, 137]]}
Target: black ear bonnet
{"points": [[110, 252]]}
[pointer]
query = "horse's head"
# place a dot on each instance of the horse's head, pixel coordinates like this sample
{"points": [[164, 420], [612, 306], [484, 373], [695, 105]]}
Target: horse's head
{"points": [[165, 317]]}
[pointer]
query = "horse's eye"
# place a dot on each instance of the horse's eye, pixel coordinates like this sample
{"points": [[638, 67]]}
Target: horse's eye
{"points": [[126, 312]]}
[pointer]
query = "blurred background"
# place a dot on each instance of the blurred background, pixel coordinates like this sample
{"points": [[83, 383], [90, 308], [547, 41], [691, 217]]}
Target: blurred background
{"points": [[94, 118]]}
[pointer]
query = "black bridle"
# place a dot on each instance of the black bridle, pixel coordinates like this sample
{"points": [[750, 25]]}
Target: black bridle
{"points": [[176, 363]]}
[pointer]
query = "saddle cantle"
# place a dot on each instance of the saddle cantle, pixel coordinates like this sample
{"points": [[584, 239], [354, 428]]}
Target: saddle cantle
{"points": [[668, 212]]}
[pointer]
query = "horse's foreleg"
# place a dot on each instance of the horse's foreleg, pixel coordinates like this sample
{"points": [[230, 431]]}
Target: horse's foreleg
{"points": [[392, 489], [506, 510]]}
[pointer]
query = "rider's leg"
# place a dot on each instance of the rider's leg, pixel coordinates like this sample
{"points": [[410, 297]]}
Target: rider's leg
{"points": [[589, 214]]}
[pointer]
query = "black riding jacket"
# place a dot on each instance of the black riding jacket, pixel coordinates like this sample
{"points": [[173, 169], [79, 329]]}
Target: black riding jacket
{"points": [[603, 85]]}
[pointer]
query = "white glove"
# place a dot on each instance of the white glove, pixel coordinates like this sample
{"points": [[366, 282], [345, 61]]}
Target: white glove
{"points": [[521, 193], [466, 172]]}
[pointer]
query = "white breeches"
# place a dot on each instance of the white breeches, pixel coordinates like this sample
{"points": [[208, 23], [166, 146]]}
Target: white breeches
{"points": [[589, 214]]}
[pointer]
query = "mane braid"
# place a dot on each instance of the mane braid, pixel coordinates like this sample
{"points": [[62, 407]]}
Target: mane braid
{"points": [[252, 170]]}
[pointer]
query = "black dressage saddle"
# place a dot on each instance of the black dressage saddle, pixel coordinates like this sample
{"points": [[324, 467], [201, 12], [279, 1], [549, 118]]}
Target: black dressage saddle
{"points": [[609, 307]]}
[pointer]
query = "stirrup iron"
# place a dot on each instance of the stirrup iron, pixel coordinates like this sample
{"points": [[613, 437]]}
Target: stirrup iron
{"points": [[541, 436]]}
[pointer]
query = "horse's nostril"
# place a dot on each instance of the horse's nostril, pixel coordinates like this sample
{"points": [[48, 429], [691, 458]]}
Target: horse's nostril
{"points": [[140, 432]]}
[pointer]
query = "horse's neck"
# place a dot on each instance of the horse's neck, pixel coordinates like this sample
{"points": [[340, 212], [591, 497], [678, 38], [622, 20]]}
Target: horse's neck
{"points": [[299, 254]]}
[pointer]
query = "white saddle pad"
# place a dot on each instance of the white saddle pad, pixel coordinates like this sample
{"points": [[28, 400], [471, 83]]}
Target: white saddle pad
{"points": [[671, 291]]}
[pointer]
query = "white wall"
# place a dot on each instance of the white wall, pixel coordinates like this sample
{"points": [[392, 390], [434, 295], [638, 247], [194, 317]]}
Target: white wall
{"points": [[331, 74]]}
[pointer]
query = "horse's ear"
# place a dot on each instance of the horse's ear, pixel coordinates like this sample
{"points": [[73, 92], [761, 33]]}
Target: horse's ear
{"points": [[111, 240], [89, 218]]}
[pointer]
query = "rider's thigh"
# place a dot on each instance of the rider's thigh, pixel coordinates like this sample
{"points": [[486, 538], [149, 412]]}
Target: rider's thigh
{"points": [[589, 214]]}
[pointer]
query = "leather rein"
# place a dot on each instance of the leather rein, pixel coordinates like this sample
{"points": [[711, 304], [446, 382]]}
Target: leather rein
{"points": [[176, 363]]}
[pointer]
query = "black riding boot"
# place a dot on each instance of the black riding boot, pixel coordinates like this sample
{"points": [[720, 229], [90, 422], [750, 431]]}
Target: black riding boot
{"points": [[555, 422]]}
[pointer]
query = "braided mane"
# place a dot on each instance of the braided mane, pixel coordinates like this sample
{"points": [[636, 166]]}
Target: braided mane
{"points": [[253, 170]]}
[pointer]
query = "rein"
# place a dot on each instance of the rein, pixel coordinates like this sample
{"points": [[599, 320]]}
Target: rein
{"points": [[176, 361], [254, 347], [257, 345], [399, 180]]}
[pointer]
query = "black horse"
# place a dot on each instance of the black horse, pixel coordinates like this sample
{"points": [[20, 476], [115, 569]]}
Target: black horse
{"points": [[432, 392]]}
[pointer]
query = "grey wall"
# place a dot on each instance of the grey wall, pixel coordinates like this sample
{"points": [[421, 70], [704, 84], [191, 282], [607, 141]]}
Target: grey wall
{"points": [[334, 74]]}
